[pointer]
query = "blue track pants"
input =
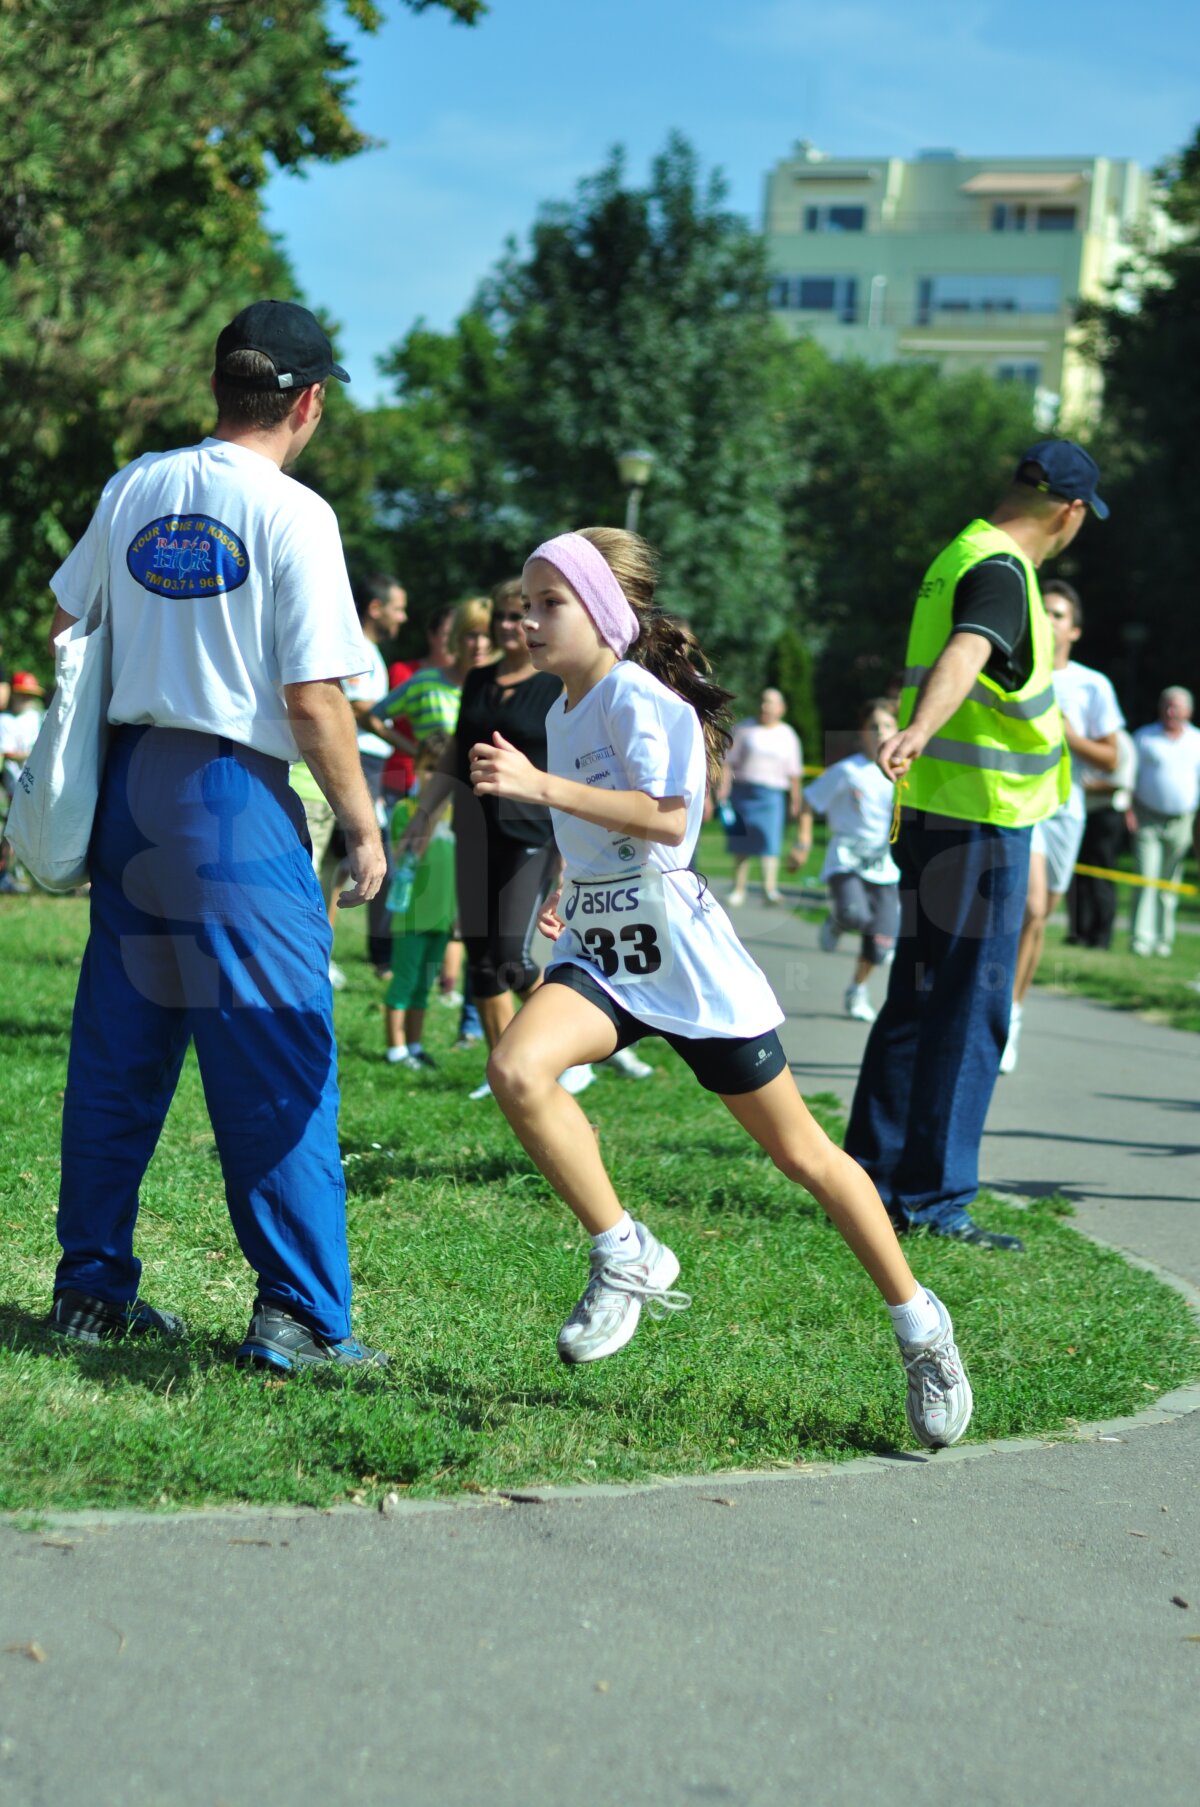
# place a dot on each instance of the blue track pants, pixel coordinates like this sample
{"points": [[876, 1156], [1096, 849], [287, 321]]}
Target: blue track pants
{"points": [[207, 923]]}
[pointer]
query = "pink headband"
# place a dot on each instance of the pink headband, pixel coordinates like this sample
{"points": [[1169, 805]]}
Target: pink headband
{"points": [[592, 580]]}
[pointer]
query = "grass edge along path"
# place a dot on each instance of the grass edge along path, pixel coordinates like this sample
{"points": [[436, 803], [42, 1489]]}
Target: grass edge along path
{"points": [[465, 1266]]}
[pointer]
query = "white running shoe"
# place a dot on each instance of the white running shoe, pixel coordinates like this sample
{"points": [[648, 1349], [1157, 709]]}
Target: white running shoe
{"points": [[827, 936], [1008, 1060], [481, 1091], [736, 899], [576, 1079], [611, 1307], [858, 1005], [337, 977], [627, 1062], [939, 1401]]}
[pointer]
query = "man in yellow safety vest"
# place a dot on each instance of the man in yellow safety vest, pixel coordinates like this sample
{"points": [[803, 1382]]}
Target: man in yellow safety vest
{"points": [[979, 758]]}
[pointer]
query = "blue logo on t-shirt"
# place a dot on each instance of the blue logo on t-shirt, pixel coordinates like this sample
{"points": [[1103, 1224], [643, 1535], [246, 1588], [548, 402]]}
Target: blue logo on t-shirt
{"points": [[184, 556]]}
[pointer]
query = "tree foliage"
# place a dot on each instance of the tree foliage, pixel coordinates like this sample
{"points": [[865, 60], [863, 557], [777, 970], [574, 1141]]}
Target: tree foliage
{"points": [[138, 135], [636, 316], [886, 463], [1135, 569]]}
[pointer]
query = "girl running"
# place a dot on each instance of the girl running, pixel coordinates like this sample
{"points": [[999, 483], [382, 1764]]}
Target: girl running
{"points": [[644, 948], [863, 879]]}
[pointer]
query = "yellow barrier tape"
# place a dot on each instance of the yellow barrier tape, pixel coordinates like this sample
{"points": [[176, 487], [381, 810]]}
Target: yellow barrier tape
{"points": [[1135, 878]]}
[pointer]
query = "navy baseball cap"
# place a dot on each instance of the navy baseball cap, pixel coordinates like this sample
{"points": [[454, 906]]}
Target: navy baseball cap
{"points": [[1059, 467], [290, 336]]}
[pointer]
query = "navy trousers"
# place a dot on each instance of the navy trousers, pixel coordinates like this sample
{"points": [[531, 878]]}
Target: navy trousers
{"points": [[207, 924], [933, 1055]]}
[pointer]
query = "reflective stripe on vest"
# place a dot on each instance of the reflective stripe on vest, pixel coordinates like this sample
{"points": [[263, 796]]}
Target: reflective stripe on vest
{"points": [[1021, 709], [992, 759]]}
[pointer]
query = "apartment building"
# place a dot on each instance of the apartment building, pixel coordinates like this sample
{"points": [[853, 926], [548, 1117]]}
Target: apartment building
{"points": [[966, 262]]}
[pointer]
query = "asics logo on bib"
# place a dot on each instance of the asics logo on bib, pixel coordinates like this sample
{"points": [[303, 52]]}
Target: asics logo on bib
{"points": [[615, 902], [185, 556]]}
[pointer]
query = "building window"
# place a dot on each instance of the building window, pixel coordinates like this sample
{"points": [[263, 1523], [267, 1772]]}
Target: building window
{"points": [[971, 294], [836, 295], [1029, 374], [1009, 216], [835, 219], [1056, 219]]}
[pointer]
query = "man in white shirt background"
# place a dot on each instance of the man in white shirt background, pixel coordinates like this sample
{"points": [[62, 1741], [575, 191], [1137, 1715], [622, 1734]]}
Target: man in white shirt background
{"points": [[1165, 799], [1091, 717], [232, 625], [382, 611]]}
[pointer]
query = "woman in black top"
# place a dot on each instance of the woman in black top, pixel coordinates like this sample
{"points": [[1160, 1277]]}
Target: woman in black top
{"points": [[505, 854]]}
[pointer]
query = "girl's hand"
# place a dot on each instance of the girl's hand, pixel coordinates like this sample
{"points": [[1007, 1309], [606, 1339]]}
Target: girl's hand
{"points": [[798, 857], [415, 838], [499, 770], [549, 922]]}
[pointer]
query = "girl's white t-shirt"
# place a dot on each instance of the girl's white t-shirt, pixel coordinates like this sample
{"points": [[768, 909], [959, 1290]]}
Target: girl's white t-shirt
{"points": [[226, 581], [857, 802], [632, 733]]}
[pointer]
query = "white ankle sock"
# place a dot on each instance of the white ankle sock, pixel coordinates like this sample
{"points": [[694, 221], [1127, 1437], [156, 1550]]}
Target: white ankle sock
{"points": [[622, 1241], [917, 1321], [395, 1054]]}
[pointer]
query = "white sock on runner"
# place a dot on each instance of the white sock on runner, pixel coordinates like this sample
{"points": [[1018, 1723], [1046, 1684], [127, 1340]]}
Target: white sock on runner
{"points": [[395, 1054], [622, 1241], [917, 1321]]}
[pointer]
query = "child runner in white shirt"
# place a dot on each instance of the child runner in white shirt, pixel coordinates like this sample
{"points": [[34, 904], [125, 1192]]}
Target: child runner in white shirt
{"points": [[641, 945], [857, 801]]}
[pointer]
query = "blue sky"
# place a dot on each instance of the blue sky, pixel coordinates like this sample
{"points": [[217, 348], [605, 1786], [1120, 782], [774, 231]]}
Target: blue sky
{"points": [[480, 126]]}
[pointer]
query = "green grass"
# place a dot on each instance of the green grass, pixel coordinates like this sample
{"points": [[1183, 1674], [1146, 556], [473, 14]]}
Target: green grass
{"points": [[464, 1267], [1166, 990]]}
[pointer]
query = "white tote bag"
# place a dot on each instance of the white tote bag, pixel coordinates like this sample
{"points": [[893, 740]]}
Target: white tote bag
{"points": [[50, 822]]}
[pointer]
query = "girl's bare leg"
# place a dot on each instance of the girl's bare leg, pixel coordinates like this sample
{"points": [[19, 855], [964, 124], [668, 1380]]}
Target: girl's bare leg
{"points": [[555, 1030], [862, 970], [770, 872], [781, 1123], [741, 872]]}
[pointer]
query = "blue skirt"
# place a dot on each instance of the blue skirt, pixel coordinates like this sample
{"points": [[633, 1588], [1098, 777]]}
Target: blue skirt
{"points": [[761, 813]]}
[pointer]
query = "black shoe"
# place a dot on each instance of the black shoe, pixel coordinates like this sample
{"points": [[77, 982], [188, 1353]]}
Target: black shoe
{"points": [[90, 1320], [277, 1341], [981, 1239]]}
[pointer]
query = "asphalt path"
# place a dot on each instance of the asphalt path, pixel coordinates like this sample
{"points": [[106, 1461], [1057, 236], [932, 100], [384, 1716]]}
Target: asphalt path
{"points": [[1000, 1624]]}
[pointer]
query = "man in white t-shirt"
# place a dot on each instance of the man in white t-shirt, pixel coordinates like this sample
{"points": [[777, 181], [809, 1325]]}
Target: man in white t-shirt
{"points": [[1091, 717], [232, 624], [1165, 800]]}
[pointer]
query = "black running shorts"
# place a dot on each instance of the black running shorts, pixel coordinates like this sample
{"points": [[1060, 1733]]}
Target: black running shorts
{"points": [[727, 1064]]}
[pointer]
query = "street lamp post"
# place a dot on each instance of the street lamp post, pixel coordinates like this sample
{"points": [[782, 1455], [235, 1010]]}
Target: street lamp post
{"points": [[634, 468]]}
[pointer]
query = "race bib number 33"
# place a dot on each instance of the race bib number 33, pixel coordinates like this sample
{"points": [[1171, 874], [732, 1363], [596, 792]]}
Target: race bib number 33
{"points": [[621, 925]]}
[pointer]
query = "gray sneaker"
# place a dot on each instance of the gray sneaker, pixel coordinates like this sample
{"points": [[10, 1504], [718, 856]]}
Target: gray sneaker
{"points": [[607, 1315], [87, 1319], [281, 1344], [939, 1401]]}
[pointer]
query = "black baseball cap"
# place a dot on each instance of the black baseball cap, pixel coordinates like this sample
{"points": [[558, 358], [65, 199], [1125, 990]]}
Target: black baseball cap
{"points": [[290, 336], [1059, 467]]}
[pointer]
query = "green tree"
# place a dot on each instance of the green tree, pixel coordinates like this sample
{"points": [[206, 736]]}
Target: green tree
{"points": [[1134, 570], [887, 463], [636, 316], [137, 138]]}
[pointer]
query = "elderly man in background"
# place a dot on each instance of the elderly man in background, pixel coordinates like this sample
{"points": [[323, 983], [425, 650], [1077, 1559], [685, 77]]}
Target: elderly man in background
{"points": [[1165, 799]]}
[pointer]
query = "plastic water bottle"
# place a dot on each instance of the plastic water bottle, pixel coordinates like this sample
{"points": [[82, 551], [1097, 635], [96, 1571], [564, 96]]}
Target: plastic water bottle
{"points": [[726, 815], [401, 888]]}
